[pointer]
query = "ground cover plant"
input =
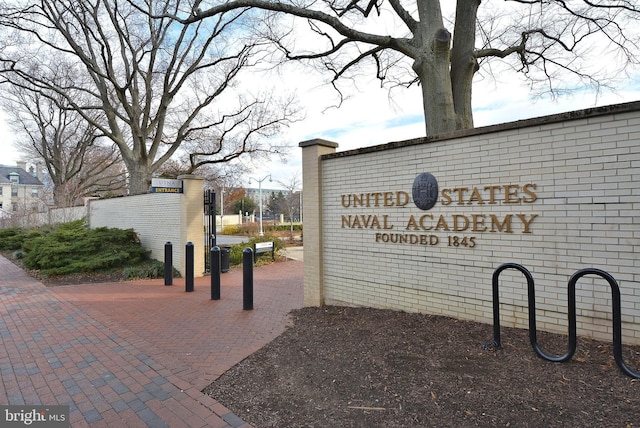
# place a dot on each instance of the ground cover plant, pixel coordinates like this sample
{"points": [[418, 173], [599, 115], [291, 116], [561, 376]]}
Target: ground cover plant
{"points": [[74, 253], [13, 238]]}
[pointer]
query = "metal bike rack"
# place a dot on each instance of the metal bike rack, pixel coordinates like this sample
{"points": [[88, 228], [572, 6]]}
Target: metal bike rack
{"points": [[617, 315]]}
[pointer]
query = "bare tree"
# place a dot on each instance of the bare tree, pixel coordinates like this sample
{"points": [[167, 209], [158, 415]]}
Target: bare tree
{"points": [[159, 84], [292, 200], [69, 147], [216, 176], [411, 42]]}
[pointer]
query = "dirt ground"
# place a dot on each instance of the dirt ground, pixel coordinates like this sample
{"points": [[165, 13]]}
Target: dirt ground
{"points": [[348, 367]]}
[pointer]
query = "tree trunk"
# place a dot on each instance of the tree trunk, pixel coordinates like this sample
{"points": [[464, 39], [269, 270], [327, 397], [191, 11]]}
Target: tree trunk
{"points": [[139, 176], [59, 194], [464, 63], [432, 68]]}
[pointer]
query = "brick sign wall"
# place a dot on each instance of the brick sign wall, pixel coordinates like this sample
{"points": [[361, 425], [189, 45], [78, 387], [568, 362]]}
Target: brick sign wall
{"points": [[421, 225]]}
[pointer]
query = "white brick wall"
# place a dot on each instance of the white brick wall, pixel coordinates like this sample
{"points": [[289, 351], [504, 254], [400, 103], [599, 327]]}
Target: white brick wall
{"points": [[159, 218], [154, 217], [587, 177]]}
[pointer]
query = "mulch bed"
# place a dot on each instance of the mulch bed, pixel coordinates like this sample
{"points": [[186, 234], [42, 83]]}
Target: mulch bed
{"points": [[77, 279], [358, 367]]}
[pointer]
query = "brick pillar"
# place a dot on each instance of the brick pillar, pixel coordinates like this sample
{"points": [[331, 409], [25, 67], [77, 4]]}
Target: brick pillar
{"points": [[192, 221], [312, 206]]}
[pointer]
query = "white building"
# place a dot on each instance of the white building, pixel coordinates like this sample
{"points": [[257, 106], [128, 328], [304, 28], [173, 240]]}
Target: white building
{"points": [[20, 191]]}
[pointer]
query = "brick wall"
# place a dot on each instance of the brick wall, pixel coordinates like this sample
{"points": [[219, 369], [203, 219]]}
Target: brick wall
{"points": [[554, 194], [159, 218]]}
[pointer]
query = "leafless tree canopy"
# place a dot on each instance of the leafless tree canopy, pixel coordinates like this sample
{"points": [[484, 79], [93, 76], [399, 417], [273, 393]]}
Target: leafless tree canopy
{"points": [[292, 199], [159, 85], [558, 45], [216, 175], [68, 146]]}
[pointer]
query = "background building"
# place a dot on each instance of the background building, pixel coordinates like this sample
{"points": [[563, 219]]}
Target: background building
{"points": [[21, 192]]}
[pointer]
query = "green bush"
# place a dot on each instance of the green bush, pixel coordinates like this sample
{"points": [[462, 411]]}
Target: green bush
{"points": [[72, 248], [14, 238], [249, 229], [11, 239], [147, 270], [235, 257], [284, 227]]}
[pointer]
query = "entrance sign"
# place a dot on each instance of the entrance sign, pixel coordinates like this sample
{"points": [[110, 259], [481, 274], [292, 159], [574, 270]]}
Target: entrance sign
{"points": [[426, 230], [166, 185], [411, 228]]}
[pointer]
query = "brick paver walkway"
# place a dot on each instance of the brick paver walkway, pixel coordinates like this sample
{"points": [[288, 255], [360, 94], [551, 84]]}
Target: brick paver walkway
{"points": [[135, 353]]}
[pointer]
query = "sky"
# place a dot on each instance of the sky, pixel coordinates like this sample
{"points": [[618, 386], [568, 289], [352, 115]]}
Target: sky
{"points": [[370, 116]]}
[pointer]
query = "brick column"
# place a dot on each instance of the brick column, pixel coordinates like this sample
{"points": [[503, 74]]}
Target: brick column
{"points": [[312, 206], [192, 221]]}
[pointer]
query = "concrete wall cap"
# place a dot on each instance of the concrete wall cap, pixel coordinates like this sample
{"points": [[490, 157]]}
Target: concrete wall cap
{"points": [[190, 177], [318, 142]]}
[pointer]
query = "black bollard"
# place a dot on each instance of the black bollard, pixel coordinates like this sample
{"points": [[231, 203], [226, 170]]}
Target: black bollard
{"points": [[247, 279], [168, 263], [215, 273], [189, 267]]}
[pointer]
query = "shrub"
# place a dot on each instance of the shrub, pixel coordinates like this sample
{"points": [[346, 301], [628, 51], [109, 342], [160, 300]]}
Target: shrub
{"points": [[72, 248], [243, 229], [15, 238], [284, 227], [231, 230], [235, 257], [9, 239], [147, 270]]}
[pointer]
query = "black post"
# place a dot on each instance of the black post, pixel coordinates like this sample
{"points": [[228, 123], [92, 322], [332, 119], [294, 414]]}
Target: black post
{"points": [[189, 267], [168, 263], [215, 273], [247, 279]]}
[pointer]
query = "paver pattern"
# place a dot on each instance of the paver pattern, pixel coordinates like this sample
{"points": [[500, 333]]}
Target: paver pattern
{"points": [[135, 353]]}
